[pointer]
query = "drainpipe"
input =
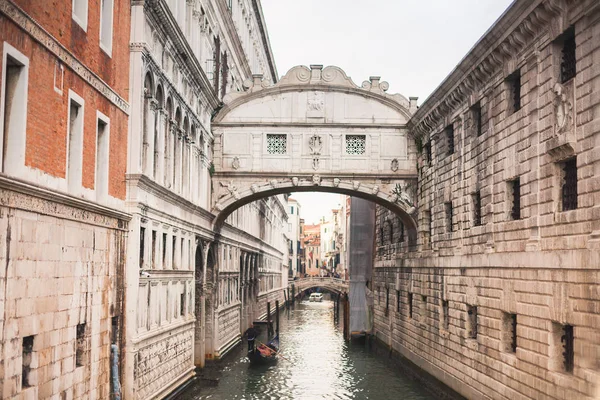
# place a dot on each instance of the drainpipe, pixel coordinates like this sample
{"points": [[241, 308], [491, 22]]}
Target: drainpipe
{"points": [[114, 369]]}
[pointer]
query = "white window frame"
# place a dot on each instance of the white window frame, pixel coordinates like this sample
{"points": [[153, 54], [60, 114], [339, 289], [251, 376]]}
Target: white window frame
{"points": [[82, 21], [107, 47], [74, 187], [15, 158], [102, 192]]}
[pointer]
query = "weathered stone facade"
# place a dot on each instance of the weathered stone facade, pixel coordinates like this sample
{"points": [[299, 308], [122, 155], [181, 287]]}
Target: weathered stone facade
{"points": [[504, 277]]}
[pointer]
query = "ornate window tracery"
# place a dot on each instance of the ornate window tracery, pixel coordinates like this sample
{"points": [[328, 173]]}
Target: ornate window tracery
{"points": [[356, 144], [276, 143]]}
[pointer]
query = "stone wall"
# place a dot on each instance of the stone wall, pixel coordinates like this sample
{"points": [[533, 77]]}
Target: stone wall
{"points": [[483, 304], [61, 294]]}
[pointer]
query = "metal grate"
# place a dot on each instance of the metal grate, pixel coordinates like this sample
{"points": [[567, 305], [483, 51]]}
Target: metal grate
{"points": [[428, 153], [276, 144], [401, 236], [472, 312], [450, 138], [410, 305], [569, 187], [568, 60], [515, 212], [446, 310], [355, 144], [567, 340], [477, 208], [513, 340]]}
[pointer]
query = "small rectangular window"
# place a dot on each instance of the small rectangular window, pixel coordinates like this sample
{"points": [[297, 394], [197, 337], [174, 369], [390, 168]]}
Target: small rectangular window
{"points": [[514, 193], [410, 305], [445, 314], [476, 197], [448, 208], [80, 346], [356, 144], [80, 13], [182, 303], [514, 86], [429, 217], [509, 334], [164, 250], [472, 322], [450, 138], [26, 362], [75, 144], [114, 330], [153, 249], [276, 144], [102, 159], [401, 236], [387, 301], [476, 116], [173, 247], [567, 339], [397, 301], [428, 154], [569, 184], [106, 26], [568, 60], [142, 245], [14, 109]]}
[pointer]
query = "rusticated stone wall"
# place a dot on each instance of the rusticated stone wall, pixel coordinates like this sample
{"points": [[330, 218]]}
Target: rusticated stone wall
{"points": [[484, 306]]}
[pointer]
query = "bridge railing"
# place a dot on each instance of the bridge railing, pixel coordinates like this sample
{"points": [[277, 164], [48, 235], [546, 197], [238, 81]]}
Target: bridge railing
{"points": [[320, 280]]}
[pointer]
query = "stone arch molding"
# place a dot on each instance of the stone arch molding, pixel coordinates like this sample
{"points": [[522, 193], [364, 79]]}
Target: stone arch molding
{"points": [[398, 195]]}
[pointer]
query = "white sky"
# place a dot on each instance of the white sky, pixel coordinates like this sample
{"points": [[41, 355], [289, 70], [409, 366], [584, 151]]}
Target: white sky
{"points": [[411, 44]]}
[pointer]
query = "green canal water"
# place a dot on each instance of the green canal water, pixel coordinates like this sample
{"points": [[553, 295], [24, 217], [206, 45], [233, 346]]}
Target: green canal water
{"points": [[317, 363]]}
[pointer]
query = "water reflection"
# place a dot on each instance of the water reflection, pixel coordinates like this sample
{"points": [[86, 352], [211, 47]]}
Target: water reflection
{"points": [[316, 363]]}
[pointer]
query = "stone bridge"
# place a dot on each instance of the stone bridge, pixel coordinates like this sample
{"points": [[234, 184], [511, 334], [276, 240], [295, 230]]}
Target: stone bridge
{"points": [[315, 130], [333, 284]]}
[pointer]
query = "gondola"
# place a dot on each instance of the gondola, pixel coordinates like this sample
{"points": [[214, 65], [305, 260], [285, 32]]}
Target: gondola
{"points": [[260, 353]]}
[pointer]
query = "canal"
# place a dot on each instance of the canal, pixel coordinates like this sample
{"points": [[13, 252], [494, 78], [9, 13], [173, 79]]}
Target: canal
{"points": [[316, 363]]}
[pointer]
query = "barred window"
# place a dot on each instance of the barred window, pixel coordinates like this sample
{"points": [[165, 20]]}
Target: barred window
{"points": [[514, 85], [428, 154], [448, 207], [355, 144], [477, 208], [450, 138], [515, 188], [568, 60], [569, 185], [276, 143], [476, 113]]}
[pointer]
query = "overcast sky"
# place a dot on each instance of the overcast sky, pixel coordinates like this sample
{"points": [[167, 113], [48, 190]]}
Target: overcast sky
{"points": [[411, 44]]}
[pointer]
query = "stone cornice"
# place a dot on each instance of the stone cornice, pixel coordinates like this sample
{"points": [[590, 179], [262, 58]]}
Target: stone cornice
{"points": [[40, 35], [33, 190], [232, 34], [260, 19], [512, 32], [161, 13]]}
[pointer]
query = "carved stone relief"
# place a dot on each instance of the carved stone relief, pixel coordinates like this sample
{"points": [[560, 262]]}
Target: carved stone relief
{"points": [[563, 116], [235, 164], [315, 105], [395, 165]]}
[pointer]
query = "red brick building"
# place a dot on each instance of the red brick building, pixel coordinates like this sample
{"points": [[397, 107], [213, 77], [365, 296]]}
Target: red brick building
{"points": [[63, 129]]}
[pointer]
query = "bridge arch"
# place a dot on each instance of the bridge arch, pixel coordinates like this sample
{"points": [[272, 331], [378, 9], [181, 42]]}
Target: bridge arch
{"points": [[315, 130]]}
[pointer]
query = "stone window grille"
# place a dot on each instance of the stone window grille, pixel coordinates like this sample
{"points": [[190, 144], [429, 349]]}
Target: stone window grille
{"points": [[568, 60], [450, 138], [182, 303], [514, 85], [567, 340], [410, 305], [26, 361], [402, 234], [397, 301], [449, 212], [515, 188], [569, 184], [428, 154], [355, 144], [476, 208], [429, 217], [472, 321], [164, 250], [387, 301], [476, 114], [276, 143]]}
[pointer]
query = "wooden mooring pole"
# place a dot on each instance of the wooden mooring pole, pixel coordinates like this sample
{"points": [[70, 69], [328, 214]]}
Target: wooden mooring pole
{"points": [[277, 315], [346, 316], [269, 324]]}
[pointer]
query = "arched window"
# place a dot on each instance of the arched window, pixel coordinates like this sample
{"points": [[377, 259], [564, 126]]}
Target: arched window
{"points": [[148, 94]]}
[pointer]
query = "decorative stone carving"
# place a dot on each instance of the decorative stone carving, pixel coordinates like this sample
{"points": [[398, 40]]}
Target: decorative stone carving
{"points": [[315, 105], [273, 183], [231, 189], [316, 180], [295, 181], [336, 182], [315, 163], [395, 165], [254, 188], [402, 192], [235, 164], [315, 144], [375, 189], [355, 185], [562, 108]]}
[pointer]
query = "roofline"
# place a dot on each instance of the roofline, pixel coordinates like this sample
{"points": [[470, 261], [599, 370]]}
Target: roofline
{"points": [[265, 38]]}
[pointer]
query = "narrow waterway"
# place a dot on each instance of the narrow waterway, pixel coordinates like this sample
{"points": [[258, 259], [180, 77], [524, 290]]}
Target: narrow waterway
{"points": [[316, 363]]}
